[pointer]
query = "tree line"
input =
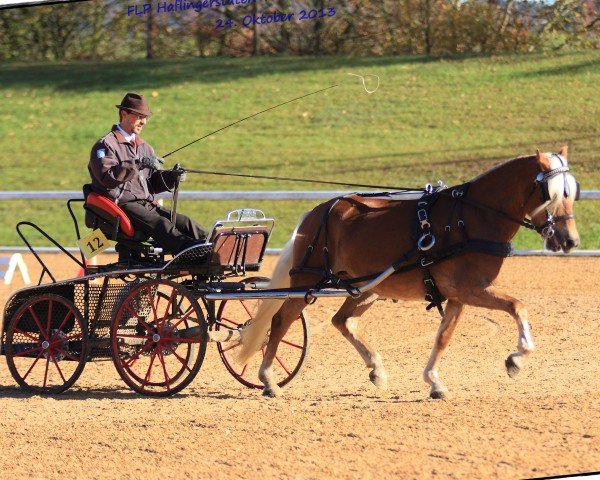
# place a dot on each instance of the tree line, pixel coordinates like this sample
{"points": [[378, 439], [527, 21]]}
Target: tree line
{"points": [[112, 29]]}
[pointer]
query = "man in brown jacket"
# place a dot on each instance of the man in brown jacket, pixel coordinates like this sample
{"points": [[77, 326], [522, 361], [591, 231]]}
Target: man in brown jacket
{"points": [[126, 169]]}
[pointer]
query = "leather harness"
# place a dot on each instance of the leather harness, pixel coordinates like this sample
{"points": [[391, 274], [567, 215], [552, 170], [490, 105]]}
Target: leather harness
{"points": [[426, 240]]}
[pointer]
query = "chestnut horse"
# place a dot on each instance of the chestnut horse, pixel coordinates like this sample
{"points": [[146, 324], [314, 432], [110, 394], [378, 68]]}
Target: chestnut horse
{"points": [[363, 235]]}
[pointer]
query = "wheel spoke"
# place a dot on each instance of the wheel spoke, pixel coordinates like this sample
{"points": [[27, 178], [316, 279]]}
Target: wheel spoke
{"points": [[69, 313], [246, 308], [58, 341], [184, 318], [136, 357], [230, 321], [282, 365], [49, 322], [37, 322], [149, 372], [170, 302], [25, 353], [180, 340], [58, 367], [139, 318], [180, 358], [292, 344], [32, 365], [69, 356], [161, 358], [46, 372], [151, 300], [18, 330], [231, 347]]}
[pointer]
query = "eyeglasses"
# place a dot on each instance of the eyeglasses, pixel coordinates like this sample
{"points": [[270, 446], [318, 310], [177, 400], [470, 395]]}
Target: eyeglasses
{"points": [[138, 116]]}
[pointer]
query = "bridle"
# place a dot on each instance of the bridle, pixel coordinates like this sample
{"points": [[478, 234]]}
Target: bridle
{"points": [[546, 230]]}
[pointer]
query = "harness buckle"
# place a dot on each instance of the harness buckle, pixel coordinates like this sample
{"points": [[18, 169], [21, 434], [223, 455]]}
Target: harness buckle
{"points": [[457, 193], [426, 241]]}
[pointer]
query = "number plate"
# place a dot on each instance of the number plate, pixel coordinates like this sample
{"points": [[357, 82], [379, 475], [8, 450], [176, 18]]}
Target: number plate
{"points": [[93, 244]]}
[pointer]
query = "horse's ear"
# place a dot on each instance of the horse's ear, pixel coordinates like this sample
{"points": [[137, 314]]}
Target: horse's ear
{"points": [[543, 161], [563, 151]]}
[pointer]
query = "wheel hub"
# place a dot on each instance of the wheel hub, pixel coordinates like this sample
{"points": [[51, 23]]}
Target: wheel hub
{"points": [[54, 351]]}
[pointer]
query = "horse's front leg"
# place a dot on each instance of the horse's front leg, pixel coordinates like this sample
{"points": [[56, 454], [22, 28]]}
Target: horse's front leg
{"points": [[493, 299], [289, 311], [346, 321], [452, 314]]}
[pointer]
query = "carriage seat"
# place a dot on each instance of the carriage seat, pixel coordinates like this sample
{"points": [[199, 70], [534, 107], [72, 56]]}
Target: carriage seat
{"points": [[103, 213]]}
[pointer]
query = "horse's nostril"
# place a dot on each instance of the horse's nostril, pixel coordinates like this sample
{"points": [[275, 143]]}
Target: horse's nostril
{"points": [[570, 243]]}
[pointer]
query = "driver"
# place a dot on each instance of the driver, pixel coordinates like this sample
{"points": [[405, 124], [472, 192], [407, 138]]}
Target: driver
{"points": [[125, 168]]}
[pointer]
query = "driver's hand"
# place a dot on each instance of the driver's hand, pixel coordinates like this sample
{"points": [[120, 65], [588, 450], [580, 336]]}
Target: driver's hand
{"points": [[154, 162]]}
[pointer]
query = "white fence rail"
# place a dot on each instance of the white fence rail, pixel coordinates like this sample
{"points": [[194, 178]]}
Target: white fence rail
{"points": [[218, 195], [245, 195]]}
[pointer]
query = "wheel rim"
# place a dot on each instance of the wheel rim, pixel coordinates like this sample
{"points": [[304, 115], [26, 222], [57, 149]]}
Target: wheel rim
{"points": [[291, 353], [158, 337], [46, 344]]}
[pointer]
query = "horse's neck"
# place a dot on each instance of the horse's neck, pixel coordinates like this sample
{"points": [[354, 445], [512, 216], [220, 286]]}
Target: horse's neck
{"points": [[505, 188]]}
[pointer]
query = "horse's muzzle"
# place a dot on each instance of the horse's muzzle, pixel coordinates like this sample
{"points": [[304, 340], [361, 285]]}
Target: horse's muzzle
{"points": [[569, 244], [556, 244]]}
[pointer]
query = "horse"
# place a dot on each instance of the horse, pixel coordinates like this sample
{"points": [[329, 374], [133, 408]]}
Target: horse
{"points": [[341, 242]]}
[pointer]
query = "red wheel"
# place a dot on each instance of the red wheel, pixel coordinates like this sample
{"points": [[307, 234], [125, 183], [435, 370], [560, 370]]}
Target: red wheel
{"points": [[46, 344], [291, 353], [158, 338]]}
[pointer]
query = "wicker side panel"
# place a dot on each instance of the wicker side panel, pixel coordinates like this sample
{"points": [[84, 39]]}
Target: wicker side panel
{"points": [[101, 306], [14, 302]]}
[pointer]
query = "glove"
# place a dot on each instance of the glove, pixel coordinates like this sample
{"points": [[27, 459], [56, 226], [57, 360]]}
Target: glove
{"points": [[152, 162], [180, 172]]}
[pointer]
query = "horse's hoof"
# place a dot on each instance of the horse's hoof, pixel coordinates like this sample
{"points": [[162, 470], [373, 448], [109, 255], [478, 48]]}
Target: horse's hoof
{"points": [[439, 394], [512, 368], [272, 392], [380, 380]]}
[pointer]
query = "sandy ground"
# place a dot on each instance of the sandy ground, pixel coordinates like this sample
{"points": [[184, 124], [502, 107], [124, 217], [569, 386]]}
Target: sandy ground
{"points": [[332, 423]]}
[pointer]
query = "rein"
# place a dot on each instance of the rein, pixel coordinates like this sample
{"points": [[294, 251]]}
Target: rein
{"points": [[305, 180]]}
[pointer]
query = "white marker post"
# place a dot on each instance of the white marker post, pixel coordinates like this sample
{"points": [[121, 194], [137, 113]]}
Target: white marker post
{"points": [[13, 262]]}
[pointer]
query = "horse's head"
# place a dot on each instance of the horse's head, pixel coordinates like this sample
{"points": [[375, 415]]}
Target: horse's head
{"points": [[550, 203]]}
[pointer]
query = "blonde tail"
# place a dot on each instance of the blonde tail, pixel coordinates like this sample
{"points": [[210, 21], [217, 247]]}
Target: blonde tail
{"points": [[254, 335]]}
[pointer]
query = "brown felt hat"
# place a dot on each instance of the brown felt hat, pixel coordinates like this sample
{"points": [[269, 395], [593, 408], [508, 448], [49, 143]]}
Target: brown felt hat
{"points": [[135, 103]]}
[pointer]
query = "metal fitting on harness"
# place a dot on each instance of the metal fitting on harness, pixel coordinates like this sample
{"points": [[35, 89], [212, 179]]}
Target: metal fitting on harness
{"points": [[309, 299], [422, 216], [426, 241], [426, 263], [548, 232]]}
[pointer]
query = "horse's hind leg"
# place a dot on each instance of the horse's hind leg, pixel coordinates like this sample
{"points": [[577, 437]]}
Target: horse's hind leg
{"points": [[285, 316], [493, 299], [346, 321], [431, 375]]}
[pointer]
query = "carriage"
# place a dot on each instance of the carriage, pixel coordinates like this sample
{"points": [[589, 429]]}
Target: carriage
{"points": [[152, 315]]}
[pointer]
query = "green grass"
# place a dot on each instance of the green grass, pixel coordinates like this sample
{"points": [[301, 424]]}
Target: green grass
{"points": [[430, 119]]}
